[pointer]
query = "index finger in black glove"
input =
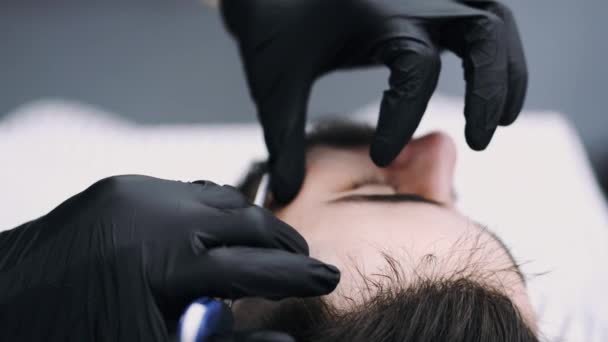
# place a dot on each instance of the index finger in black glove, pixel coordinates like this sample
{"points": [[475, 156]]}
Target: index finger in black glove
{"points": [[485, 65], [283, 116], [238, 223], [235, 272], [201, 213], [281, 60], [414, 64], [494, 66], [517, 69]]}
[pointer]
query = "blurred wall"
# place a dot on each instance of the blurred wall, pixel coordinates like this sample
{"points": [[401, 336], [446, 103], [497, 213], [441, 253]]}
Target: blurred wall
{"points": [[159, 61]]}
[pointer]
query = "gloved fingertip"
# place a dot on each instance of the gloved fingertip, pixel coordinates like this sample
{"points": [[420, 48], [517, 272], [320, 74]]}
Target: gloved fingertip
{"points": [[333, 269], [329, 278], [382, 152], [283, 193], [512, 110], [508, 119], [478, 139], [285, 186], [513, 107]]}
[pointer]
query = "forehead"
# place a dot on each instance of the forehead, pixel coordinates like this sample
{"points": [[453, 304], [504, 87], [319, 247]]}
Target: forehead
{"points": [[425, 239], [414, 226]]}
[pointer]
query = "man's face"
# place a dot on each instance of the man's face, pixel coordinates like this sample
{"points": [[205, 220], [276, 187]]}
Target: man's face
{"points": [[352, 213]]}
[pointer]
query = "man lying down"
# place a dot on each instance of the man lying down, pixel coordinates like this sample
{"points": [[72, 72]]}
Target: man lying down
{"points": [[413, 267]]}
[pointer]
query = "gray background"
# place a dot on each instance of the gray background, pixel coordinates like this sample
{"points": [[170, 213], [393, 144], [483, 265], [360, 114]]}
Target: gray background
{"points": [[158, 61]]}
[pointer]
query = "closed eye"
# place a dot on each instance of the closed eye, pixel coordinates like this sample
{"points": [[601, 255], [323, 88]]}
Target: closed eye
{"points": [[376, 181]]}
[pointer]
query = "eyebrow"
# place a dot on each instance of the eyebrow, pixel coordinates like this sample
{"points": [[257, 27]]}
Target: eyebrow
{"points": [[413, 198], [385, 198]]}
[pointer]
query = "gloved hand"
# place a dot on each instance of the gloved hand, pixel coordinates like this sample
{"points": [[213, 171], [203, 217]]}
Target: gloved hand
{"points": [[121, 260], [287, 44]]}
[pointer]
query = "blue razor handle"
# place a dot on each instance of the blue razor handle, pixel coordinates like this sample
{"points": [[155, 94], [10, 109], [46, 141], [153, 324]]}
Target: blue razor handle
{"points": [[204, 319]]}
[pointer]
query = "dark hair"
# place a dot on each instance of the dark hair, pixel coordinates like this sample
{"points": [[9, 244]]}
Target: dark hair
{"points": [[458, 308]]}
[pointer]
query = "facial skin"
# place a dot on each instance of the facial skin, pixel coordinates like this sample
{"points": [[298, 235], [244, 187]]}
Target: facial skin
{"points": [[351, 212]]}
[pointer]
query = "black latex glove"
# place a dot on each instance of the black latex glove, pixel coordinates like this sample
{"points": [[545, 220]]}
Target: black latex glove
{"points": [[121, 260], [287, 44]]}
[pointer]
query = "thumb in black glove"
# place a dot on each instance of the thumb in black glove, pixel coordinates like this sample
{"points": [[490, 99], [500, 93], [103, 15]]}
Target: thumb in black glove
{"points": [[120, 261]]}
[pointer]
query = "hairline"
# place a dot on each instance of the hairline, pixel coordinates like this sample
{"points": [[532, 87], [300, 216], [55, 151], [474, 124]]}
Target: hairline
{"points": [[416, 199]]}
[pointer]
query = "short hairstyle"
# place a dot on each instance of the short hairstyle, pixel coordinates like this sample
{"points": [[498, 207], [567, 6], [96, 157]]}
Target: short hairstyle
{"points": [[459, 307]]}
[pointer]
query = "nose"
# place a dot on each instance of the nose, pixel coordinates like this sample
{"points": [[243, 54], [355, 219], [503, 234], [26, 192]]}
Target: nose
{"points": [[426, 167]]}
